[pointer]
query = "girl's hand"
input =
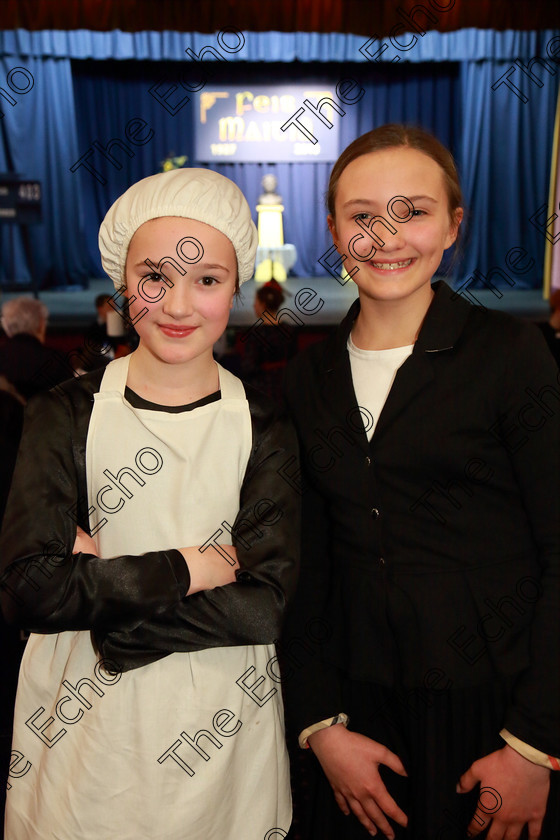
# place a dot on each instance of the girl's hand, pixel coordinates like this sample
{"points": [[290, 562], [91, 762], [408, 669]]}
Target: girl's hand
{"points": [[350, 762], [513, 791], [84, 543], [210, 568]]}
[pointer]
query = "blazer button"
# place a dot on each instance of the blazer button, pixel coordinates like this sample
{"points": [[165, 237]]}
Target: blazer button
{"points": [[368, 461], [374, 513], [381, 561]]}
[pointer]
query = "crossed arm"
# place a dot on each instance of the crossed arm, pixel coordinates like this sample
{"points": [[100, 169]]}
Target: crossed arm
{"points": [[137, 606], [205, 571]]}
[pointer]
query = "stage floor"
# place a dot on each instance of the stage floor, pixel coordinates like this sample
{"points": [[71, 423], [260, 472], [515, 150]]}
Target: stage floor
{"points": [[324, 304]]}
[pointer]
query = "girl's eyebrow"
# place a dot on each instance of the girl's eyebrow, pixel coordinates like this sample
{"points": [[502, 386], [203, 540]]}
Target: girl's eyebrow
{"points": [[372, 201], [365, 201], [145, 264], [152, 265], [414, 198], [211, 265]]}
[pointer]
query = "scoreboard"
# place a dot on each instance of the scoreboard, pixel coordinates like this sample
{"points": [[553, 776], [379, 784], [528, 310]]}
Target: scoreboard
{"points": [[20, 200], [20, 204]]}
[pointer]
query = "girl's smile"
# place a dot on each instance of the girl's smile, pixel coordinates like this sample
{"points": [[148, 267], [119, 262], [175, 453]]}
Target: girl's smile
{"points": [[175, 331], [392, 266]]}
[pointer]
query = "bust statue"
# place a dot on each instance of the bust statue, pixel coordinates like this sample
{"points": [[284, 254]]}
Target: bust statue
{"points": [[269, 196]]}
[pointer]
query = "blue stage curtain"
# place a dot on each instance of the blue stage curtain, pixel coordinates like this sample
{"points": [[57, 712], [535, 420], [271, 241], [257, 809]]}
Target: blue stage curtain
{"points": [[105, 104], [38, 140], [505, 164], [460, 45]]}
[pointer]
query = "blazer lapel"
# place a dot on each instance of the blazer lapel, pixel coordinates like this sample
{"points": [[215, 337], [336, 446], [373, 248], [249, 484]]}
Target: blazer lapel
{"points": [[338, 387], [413, 376], [440, 330]]}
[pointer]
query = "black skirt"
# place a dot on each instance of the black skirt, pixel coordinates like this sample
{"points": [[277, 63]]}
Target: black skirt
{"points": [[437, 735]]}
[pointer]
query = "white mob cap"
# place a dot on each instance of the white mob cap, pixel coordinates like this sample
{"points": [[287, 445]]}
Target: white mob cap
{"points": [[199, 194]]}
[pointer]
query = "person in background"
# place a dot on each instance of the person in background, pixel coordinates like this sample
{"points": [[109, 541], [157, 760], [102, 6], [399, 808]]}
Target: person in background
{"points": [[430, 437], [25, 361], [101, 345], [98, 329], [98, 348], [269, 344], [551, 328]]}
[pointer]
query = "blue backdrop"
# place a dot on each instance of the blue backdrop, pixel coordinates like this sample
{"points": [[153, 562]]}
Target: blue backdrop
{"points": [[113, 102]]}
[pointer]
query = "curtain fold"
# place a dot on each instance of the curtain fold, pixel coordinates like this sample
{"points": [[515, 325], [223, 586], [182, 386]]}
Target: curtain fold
{"points": [[462, 45], [39, 137], [504, 159]]}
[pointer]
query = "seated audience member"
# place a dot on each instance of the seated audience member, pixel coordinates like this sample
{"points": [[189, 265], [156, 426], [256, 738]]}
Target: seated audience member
{"points": [[268, 344], [98, 329], [98, 348], [24, 360]]}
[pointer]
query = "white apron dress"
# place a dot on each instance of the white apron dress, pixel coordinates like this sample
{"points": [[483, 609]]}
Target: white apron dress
{"points": [[178, 749]]}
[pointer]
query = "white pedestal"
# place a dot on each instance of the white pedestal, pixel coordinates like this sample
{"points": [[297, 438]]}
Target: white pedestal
{"points": [[271, 230]]}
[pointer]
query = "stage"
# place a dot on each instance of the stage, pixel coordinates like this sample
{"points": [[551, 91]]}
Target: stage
{"points": [[323, 303]]}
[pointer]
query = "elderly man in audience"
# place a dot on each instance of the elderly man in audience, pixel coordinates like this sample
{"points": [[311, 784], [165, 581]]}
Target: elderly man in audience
{"points": [[24, 360]]}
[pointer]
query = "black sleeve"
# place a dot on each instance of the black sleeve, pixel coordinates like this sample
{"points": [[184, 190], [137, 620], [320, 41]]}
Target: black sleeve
{"points": [[530, 428], [11, 423], [312, 685], [44, 587], [266, 537]]}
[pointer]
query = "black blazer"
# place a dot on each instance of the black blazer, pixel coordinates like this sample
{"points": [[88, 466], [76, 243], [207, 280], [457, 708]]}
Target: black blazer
{"points": [[431, 554]]}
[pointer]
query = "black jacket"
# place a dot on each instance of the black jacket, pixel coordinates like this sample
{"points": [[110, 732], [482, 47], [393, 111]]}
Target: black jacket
{"points": [[136, 605], [431, 554], [11, 423], [30, 366]]}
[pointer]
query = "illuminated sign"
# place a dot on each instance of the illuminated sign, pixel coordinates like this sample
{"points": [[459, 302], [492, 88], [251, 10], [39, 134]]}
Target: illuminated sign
{"points": [[261, 124]]}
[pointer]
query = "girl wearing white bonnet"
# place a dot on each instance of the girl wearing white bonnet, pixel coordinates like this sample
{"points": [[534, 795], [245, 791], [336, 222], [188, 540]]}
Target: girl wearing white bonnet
{"points": [[150, 545]]}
